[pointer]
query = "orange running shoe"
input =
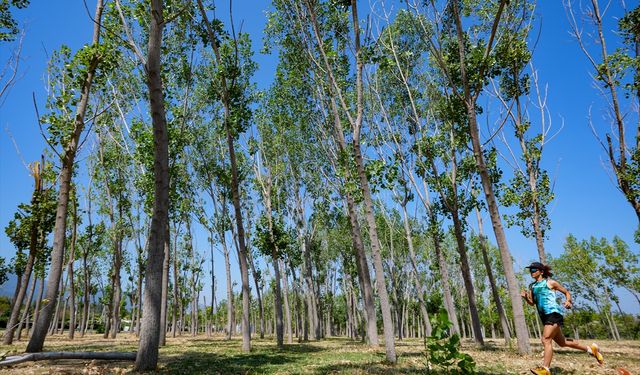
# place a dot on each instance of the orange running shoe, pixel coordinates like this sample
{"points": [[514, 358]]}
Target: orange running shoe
{"points": [[595, 352], [540, 370]]}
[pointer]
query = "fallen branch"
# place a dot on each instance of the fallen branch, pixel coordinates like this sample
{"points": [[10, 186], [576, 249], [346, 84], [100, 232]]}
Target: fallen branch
{"points": [[109, 356]]}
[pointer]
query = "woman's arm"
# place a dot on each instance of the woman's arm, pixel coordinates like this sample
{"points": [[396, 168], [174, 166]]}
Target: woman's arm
{"points": [[556, 286], [526, 294]]}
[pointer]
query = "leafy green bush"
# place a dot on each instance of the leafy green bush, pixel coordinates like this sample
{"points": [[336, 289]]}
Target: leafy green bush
{"points": [[443, 350], [99, 327]]}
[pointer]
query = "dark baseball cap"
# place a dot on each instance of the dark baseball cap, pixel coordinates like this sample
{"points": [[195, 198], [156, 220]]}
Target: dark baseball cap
{"points": [[537, 265]]}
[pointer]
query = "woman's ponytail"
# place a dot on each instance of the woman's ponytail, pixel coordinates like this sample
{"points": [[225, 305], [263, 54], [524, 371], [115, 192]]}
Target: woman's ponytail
{"points": [[546, 272]]}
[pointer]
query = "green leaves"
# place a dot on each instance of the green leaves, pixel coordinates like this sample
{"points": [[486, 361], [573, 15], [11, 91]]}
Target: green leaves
{"points": [[586, 267], [443, 350], [275, 240], [8, 25]]}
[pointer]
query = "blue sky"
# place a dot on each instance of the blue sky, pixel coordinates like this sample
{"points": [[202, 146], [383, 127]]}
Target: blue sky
{"points": [[587, 202]]}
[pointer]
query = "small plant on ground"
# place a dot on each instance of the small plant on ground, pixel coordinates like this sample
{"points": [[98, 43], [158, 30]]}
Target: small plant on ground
{"points": [[443, 350]]}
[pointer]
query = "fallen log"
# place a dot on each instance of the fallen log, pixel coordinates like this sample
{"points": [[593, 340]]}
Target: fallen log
{"points": [[44, 356]]}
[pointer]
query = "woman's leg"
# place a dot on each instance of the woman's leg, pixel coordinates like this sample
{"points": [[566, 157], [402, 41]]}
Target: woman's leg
{"points": [[549, 334], [563, 342]]}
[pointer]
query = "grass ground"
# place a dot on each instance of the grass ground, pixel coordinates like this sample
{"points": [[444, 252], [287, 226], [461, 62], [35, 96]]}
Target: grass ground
{"points": [[202, 355]]}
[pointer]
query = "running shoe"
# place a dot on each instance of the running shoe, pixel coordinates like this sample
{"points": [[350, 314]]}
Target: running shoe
{"points": [[595, 352], [540, 370]]}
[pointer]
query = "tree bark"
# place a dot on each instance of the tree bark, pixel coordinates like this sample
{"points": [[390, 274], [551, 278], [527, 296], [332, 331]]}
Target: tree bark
{"points": [[176, 285], [466, 277], [414, 267], [147, 356], [259, 293], [117, 288], [287, 309], [307, 268], [492, 282], [230, 309], [72, 285], [387, 322], [27, 308], [165, 279], [362, 266], [444, 279], [36, 312]]}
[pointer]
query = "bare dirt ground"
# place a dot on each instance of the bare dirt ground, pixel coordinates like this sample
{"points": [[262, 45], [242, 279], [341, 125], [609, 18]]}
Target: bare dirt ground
{"points": [[202, 355]]}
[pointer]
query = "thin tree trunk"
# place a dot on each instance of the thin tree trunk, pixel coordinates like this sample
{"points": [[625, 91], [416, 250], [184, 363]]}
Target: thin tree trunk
{"points": [[152, 324], [18, 301], [287, 309], [138, 313], [492, 282], [230, 309], [387, 323], [66, 173], [213, 287], [444, 279], [63, 316], [72, 285], [414, 267], [23, 279], [12, 324], [166, 261], [53, 329], [176, 278], [362, 266], [466, 277], [235, 192], [27, 308], [86, 292], [307, 268], [259, 294], [487, 184], [36, 312], [117, 288], [278, 298], [107, 314]]}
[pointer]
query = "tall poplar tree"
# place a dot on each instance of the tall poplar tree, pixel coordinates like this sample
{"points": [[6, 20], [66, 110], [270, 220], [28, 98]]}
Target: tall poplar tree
{"points": [[80, 73]]}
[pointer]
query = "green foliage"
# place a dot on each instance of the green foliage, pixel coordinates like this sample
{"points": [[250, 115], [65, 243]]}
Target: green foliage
{"points": [[275, 240], [443, 350], [8, 25], [68, 72], [624, 64], [32, 222], [530, 203]]}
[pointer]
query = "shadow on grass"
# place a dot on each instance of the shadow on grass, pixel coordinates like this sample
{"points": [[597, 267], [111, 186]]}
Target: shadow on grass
{"points": [[262, 359], [213, 363]]}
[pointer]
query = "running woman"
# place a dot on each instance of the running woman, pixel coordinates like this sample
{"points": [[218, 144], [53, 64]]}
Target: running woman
{"points": [[542, 294]]}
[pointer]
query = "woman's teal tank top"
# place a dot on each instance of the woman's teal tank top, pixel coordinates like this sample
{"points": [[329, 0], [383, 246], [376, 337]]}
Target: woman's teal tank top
{"points": [[545, 298]]}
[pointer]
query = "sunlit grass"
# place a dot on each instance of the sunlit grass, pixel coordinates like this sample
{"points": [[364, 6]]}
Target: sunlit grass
{"points": [[203, 355]]}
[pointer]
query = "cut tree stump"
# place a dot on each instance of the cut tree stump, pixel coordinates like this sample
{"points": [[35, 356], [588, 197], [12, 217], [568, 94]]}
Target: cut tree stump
{"points": [[46, 356]]}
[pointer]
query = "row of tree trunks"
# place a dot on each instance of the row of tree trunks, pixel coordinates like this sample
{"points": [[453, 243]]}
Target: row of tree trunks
{"points": [[23, 279]]}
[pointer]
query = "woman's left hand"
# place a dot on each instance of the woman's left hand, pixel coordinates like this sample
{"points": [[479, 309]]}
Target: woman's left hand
{"points": [[567, 304]]}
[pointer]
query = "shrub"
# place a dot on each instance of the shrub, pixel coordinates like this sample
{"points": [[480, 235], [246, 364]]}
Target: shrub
{"points": [[443, 350]]}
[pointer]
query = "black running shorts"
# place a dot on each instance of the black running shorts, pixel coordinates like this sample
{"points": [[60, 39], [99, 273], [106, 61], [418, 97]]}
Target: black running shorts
{"points": [[551, 319]]}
